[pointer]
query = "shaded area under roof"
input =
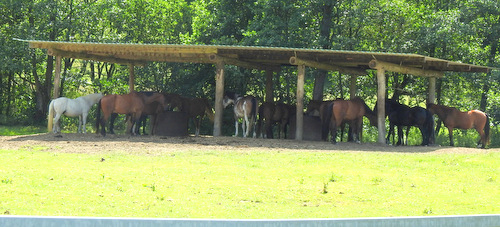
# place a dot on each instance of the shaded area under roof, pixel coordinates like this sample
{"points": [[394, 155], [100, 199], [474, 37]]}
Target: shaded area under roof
{"points": [[265, 58]]}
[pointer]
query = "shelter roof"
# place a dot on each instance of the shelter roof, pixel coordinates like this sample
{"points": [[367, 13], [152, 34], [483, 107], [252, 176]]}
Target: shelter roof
{"points": [[257, 57]]}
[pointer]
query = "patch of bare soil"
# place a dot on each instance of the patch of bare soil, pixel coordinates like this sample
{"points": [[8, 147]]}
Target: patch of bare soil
{"points": [[156, 145]]}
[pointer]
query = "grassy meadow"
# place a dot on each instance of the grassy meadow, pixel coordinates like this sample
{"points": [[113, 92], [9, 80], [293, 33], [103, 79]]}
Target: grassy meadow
{"points": [[250, 184]]}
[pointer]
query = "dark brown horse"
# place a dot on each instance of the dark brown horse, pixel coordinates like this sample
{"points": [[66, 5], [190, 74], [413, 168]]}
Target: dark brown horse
{"points": [[401, 115], [340, 111], [454, 118], [196, 108], [271, 113], [244, 107], [174, 101], [132, 104]]}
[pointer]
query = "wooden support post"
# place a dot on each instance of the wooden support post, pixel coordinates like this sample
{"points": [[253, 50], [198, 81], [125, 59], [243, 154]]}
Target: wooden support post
{"points": [[353, 86], [219, 95], [269, 86], [432, 90], [57, 78], [300, 102], [131, 78], [381, 104]]}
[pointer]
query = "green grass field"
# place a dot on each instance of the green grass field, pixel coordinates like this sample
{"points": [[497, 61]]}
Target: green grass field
{"points": [[250, 184]]}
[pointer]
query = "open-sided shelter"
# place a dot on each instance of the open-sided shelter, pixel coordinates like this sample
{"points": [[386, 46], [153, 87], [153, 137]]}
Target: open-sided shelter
{"points": [[270, 59]]}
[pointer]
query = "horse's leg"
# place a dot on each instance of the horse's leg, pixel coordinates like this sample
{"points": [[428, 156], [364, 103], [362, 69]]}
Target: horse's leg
{"points": [[57, 128], [236, 127], [103, 121], [333, 131], [248, 127], [112, 123], [450, 132], [152, 122], [391, 131], [79, 124], [400, 135], [407, 132], [197, 123], [482, 138], [84, 122], [425, 137]]}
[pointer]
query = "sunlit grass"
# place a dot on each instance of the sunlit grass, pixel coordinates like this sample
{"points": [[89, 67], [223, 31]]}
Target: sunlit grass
{"points": [[21, 130], [253, 184]]}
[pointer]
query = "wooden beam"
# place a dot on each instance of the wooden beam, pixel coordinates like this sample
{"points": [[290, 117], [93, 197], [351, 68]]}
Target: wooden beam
{"points": [[299, 129], [57, 78], [375, 64], [219, 95], [381, 105], [90, 57], [328, 67], [244, 64]]}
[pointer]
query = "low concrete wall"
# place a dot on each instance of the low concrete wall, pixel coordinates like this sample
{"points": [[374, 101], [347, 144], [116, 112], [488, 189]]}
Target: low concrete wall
{"points": [[438, 221]]}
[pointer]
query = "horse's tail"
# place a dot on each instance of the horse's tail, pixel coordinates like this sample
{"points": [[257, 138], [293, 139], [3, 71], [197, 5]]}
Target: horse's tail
{"points": [[371, 115], [325, 120], [98, 116], [487, 130], [209, 111], [253, 114], [50, 122], [429, 127]]}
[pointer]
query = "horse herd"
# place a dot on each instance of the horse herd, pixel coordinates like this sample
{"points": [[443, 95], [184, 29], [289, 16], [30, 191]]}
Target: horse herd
{"points": [[261, 118]]}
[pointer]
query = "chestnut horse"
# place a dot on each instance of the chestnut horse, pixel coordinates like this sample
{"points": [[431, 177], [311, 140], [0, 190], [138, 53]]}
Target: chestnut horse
{"points": [[196, 108], [340, 111], [132, 104], [244, 107], [271, 113], [154, 105], [454, 118], [317, 108]]}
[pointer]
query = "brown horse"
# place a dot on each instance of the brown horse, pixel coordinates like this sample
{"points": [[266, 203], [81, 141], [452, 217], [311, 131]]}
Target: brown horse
{"points": [[244, 107], [154, 105], [132, 104], [317, 108], [340, 111], [454, 118], [196, 108], [271, 113]]}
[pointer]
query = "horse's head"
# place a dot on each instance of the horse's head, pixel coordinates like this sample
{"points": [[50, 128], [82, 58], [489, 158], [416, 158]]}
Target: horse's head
{"points": [[229, 98]]}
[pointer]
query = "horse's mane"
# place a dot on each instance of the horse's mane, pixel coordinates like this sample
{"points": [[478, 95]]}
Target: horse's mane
{"points": [[231, 95]]}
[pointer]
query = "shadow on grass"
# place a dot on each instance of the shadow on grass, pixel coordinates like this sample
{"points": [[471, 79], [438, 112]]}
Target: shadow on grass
{"points": [[228, 142]]}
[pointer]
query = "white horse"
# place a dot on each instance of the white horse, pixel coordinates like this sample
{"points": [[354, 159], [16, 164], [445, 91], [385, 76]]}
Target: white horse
{"points": [[78, 107]]}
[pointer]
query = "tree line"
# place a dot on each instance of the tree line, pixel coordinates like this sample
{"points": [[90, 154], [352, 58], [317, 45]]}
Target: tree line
{"points": [[466, 31]]}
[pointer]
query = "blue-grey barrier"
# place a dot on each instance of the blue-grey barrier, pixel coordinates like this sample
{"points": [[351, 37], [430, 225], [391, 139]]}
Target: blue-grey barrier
{"points": [[440, 221]]}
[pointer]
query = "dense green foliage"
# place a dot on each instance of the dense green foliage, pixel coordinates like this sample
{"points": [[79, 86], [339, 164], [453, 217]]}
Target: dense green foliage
{"points": [[466, 31]]}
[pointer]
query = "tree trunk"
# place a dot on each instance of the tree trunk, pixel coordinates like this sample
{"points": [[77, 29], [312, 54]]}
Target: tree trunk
{"points": [[486, 86], [319, 83], [325, 27]]}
